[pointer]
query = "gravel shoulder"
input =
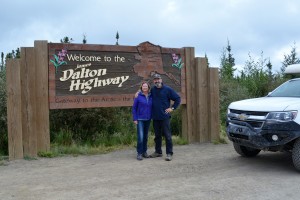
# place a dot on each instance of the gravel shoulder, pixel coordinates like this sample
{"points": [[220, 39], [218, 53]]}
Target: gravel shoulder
{"points": [[198, 171]]}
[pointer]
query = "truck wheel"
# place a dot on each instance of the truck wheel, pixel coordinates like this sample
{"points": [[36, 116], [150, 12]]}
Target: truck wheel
{"points": [[296, 154], [246, 151]]}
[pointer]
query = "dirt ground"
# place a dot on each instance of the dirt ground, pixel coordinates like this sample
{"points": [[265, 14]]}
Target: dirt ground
{"points": [[198, 171]]}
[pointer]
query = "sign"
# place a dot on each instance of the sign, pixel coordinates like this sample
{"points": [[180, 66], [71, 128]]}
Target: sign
{"points": [[85, 76]]}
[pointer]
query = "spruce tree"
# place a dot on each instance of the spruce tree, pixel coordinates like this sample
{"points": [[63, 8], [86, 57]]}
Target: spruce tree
{"points": [[290, 59], [117, 37], [66, 40], [227, 63], [84, 40], [2, 61]]}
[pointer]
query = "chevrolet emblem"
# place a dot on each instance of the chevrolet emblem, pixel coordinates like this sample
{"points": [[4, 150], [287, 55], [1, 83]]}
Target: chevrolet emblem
{"points": [[243, 117]]}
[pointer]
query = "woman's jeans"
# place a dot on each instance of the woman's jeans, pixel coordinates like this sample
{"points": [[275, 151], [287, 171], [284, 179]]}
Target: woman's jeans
{"points": [[142, 136]]}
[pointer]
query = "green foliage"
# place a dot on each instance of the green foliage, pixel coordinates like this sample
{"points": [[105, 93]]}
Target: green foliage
{"points": [[26, 157], [4, 160], [117, 37], [223, 136], [177, 140], [176, 122], [230, 90], [74, 149], [84, 40], [257, 77], [256, 80], [92, 125], [2, 61], [47, 154], [290, 58], [3, 114], [227, 63], [66, 40], [64, 138], [13, 54]]}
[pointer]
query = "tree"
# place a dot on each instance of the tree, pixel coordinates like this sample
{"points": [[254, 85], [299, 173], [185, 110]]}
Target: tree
{"points": [[2, 61], [84, 39], [66, 40], [206, 60], [290, 59], [13, 54], [18, 53], [227, 63], [256, 76], [3, 112], [117, 37], [269, 70]]}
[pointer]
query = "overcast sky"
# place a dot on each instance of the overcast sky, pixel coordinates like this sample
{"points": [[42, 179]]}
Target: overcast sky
{"points": [[251, 26]]}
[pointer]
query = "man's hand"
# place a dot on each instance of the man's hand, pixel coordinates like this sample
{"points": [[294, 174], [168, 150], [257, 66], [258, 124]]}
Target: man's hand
{"points": [[136, 94], [168, 110], [135, 122]]}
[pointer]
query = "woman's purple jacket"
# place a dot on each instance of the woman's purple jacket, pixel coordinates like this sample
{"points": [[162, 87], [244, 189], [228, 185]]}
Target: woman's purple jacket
{"points": [[142, 107]]}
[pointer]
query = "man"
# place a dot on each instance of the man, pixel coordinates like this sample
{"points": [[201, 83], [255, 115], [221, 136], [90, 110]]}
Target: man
{"points": [[161, 109]]}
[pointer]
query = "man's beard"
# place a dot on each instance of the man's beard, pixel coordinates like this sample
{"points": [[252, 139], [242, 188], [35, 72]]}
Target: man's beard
{"points": [[158, 84]]}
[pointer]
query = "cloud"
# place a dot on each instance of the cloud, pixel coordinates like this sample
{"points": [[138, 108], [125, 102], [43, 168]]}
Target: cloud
{"points": [[251, 26]]}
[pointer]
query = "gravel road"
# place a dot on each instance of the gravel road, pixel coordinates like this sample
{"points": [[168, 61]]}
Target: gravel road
{"points": [[198, 171]]}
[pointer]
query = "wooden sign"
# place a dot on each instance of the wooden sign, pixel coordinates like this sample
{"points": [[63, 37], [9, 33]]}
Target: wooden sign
{"points": [[85, 76]]}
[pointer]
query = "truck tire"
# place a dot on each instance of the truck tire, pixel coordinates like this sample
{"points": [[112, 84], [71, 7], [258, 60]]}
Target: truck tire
{"points": [[246, 151], [296, 154]]}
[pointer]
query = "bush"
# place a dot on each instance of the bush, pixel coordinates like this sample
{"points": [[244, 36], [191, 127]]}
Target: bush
{"points": [[92, 125], [3, 115], [230, 90], [176, 122]]}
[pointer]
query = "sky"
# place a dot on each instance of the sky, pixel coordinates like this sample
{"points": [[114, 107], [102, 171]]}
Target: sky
{"points": [[252, 27]]}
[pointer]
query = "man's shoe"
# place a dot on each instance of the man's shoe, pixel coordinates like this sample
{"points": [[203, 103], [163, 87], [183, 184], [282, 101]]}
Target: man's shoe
{"points": [[145, 155], [139, 157], [168, 157], [154, 155]]}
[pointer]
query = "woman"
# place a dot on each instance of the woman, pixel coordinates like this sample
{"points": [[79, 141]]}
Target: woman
{"points": [[142, 113]]}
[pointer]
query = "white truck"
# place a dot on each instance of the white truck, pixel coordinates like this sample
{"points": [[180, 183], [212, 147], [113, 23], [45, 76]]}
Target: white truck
{"points": [[270, 123]]}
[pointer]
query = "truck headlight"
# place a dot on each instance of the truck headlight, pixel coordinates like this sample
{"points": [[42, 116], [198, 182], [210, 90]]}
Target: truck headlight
{"points": [[282, 116]]}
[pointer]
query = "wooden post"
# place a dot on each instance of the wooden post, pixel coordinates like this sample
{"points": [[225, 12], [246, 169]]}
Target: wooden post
{"points": [[214, 106], [14, 119], [202, 99], [188, 110], [184, 122], [28, 76], [42, 97]]}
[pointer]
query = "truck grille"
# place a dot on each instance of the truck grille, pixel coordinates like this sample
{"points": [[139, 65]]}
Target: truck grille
{"points": [[253, 118], [255, 113]]}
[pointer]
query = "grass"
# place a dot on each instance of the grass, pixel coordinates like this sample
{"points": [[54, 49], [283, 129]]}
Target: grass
{"points": [[3, 160], [76, 149], [120, 142], [223, 137], [26, 157]]}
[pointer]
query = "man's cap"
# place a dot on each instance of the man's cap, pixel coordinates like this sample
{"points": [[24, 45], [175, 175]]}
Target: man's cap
{"points": [[156, 76]]}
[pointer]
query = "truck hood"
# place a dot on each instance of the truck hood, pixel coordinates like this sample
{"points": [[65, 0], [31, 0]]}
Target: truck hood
{"points": [[267, 104]]}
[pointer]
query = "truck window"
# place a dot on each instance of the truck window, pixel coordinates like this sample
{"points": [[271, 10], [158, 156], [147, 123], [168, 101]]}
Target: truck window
{"points": [[288, 89]]}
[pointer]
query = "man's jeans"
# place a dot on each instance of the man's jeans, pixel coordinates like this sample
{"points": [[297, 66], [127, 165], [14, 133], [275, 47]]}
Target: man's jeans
{"points": [[163, 128], [142, 136]]}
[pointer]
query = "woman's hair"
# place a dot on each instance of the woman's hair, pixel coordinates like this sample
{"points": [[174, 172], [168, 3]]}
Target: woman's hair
{"points": [[149, 87]]}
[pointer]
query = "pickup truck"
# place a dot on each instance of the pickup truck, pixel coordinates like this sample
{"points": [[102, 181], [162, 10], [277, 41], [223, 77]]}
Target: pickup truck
{"points": [[270, 123]]}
